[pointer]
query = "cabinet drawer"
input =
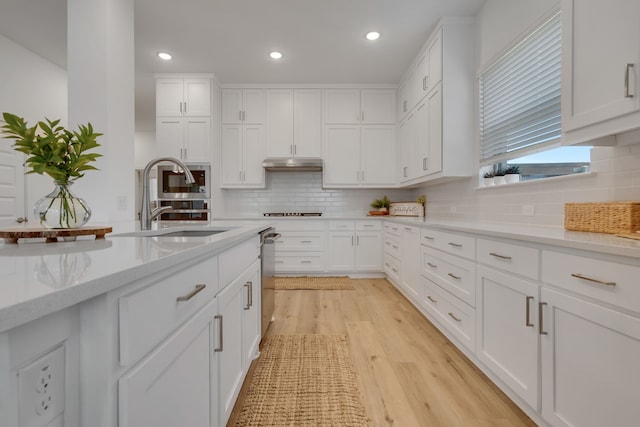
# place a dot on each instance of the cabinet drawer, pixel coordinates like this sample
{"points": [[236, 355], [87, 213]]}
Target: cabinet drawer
{"points": [[150, 314], [299, 262], [606, 281], [392, 228], [452, 273], [455, 316], [300, 224], [369, 225], [342, 225], [514, 258], [300, 241], [452, 243], [237, 259], [392, 268], [392, 246]]}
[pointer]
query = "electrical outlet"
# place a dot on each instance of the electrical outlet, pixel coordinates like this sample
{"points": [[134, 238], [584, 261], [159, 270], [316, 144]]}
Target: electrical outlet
{"points": [[122, 203], [41, 389]]}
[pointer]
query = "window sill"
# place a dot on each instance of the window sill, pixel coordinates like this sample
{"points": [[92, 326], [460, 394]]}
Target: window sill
{"points": [[538, 181]]}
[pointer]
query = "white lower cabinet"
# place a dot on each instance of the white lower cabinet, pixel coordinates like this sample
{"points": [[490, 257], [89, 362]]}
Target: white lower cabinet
{"points": [[410, 271], [301, 246], [590, 357], [507, 330], [251, 315], [357, 248], [170, 386]]}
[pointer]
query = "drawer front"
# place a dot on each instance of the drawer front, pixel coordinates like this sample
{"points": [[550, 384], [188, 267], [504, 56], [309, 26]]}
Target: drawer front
{"points": [[392, 268], [301, 224], [452, 273], [369, 225], [392, 245], [299, 261], [237, 259], [456, 244], [300, 241], [392, 228], [605, 281], [150, 314], [458, 318], [342, 225], [514, 258]]}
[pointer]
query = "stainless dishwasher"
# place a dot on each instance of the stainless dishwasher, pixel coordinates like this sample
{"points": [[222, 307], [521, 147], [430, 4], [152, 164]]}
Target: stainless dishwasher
{"points": [[268, 238]]}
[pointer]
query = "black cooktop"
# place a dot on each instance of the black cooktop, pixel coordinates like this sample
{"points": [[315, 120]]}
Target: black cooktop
{"points": [[292, 214]]}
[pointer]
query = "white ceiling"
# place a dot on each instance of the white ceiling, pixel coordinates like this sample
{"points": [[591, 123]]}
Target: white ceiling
{"points": [[322, 40]]}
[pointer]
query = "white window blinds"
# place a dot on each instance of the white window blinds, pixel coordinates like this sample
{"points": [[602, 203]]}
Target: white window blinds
{"points": [[520, 97]]}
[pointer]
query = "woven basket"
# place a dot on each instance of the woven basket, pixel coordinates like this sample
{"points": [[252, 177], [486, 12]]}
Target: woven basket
{"points": [[604, 217]]}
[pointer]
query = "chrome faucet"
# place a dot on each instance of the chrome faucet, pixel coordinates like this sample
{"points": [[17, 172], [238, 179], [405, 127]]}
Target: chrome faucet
{"points": [[147, 215]]}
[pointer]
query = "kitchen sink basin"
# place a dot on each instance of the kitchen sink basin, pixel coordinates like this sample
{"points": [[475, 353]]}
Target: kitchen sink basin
{"points": [[191, 233], [168, 232]]}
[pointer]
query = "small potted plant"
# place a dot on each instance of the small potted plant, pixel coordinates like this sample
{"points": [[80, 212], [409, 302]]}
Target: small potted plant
{"points": [[498, 179], [512, 174], [487, 178], [382, 205]]}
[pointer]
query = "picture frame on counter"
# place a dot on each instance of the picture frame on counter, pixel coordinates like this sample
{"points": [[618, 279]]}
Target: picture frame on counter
{"points": [[414, 209]]}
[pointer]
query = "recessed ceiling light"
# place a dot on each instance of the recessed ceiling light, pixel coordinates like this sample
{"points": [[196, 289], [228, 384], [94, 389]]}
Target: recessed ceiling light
{"points": [[275, 55], [372, 35], [164, 55]]}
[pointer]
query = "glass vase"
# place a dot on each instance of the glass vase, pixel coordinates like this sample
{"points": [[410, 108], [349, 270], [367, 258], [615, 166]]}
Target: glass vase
{"points": [[61, 208]]}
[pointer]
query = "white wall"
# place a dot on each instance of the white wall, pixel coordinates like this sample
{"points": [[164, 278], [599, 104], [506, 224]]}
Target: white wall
{"points": [[33, 88], [617, 169]]}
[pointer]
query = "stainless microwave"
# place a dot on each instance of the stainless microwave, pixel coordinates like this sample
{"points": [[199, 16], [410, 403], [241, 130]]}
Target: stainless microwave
{"points": [[172, 184]]}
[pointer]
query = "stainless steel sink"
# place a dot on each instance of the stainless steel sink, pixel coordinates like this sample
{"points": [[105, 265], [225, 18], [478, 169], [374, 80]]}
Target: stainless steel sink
{"points": [[191, 233], [168, 232]]}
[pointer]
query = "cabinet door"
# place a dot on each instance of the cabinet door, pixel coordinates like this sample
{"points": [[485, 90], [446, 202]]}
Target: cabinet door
{"points": [[434, 50], [231, 155], [197, 98], [169, 137], [171, 386], [590, 356], [253, 152], [407, 147], [253, 106], [251, 315], [342, 106], [279, 122], [307, 123], [341, 256], [232, 106], [368, 251], [342, 155], [378, 106], [506, 331], [378, 149], [434, 157], [169, 97], [197, 139], [411, 258], [228, 348], [595, 62]]}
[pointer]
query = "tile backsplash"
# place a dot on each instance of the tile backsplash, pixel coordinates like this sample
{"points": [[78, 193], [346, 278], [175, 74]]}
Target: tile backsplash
{"points": [[303, 192]]}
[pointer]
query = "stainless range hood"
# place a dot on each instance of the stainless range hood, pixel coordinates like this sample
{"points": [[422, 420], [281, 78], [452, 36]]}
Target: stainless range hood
{"points": [[292, 164]]}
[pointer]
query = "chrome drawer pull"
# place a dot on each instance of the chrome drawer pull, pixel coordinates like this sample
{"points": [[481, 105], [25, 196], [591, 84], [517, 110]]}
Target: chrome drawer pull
{"points": [[219, 316], [305, 262], [430, 298], [455, 245], [192, 294], [627, 94], [599, 282], [454, 276], [541, 330], [305, 241], [395, 246], [432, 265], [394, 270], [528, 310], [429, 238], [454, 317], [499, 256]]}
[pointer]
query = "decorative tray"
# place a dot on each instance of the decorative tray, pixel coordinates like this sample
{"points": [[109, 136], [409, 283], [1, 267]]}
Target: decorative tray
{"points": [[52, 234]]}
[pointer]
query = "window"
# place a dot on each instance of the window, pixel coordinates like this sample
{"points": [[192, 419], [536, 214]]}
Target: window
{"points": [[520, 107]]}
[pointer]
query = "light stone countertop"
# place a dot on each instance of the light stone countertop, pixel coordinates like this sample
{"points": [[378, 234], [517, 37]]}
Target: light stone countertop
{"points": [[38, 278]]}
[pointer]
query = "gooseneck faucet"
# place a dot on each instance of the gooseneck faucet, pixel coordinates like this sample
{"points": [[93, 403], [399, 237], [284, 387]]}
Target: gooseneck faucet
{"points": [[147, 215]]}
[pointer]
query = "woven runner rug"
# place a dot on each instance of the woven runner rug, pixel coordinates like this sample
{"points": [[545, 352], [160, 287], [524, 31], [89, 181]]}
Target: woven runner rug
{"points": [[313, 283], [303, 380]]}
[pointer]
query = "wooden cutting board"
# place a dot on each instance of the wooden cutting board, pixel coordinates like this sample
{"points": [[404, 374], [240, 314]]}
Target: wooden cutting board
{"points": [[52, 234]]}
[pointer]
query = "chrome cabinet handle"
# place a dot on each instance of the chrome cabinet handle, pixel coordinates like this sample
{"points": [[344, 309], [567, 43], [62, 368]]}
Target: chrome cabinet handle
{"points": [[541, 330], [220, 329], [499, 256], [404, 106], [424, 163], [250, 294], [240, 115], [455, 245], [430, 298], [394, 270], [193, 293], [305, 262], [528, 310], [295, 149], [424, 83], [248, 286], [454, 276], [626, 81], [395, 246], [291, 149], [428, 237], [405, 169], [599, 282], [453, 316], [22, 219], [432, 265], [305, 241], [358, 240], [185, 107], [352, 240]]}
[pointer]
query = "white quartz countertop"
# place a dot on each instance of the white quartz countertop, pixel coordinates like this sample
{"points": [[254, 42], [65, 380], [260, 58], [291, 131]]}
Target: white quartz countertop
{"points": [[38, 278]]}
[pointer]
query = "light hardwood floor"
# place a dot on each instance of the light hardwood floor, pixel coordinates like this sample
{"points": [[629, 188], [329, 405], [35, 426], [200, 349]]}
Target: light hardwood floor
{"points": [[409, 373]]}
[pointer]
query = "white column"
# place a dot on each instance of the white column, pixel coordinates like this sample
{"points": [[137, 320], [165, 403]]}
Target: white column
{"points": [[100, 45]]}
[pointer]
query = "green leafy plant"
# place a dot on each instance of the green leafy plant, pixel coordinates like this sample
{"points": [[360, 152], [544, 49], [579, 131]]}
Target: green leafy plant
{"points": [[512, 170], [489, 174], [52, 149], [422, 199], [381, 203]]}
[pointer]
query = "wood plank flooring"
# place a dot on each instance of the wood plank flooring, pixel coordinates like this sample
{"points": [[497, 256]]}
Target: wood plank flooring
{"points": [[409, 374]]}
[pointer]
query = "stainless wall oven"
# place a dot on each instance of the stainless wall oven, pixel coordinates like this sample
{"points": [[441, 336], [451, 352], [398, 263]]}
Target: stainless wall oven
{"points": [[188, 202]]}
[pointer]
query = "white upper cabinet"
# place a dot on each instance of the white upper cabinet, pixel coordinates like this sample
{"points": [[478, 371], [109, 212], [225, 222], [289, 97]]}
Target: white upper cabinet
{"points": [[355, 106], [600, 68], [428, 70], [243, 106], [294, 122], [183, 97]]}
